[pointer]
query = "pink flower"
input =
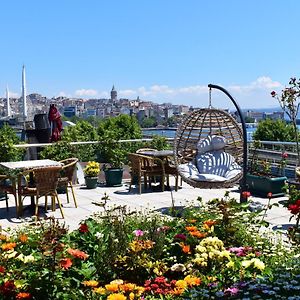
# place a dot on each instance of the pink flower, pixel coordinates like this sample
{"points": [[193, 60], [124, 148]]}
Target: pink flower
{"points": [[138, 232], [232, 291], [246, 194], [284, 155], [270, 195]]}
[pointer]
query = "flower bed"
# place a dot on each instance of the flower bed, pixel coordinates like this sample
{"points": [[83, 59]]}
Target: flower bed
{"points": [[216, 251]]}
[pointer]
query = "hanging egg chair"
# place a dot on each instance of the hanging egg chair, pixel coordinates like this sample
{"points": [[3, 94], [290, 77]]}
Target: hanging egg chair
{"points": [[209, 148]]}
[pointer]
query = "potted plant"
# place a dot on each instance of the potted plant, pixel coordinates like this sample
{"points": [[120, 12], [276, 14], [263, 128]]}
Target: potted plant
{"points": [[91, 172], [260, 179], [114, 157]]}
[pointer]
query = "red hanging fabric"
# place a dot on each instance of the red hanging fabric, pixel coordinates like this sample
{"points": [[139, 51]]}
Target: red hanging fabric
{"points": [[56, 123]]}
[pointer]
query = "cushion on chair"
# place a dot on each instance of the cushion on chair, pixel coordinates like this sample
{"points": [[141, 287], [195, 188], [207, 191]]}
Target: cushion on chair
{"points": [[211, 162]]}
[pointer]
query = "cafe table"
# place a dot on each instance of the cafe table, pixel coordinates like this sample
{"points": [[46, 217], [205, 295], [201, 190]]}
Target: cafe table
{"points": [[158, 153], [17, 167], [163, 155]]}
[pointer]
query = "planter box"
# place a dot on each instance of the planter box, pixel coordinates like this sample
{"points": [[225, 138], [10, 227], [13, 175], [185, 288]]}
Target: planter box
{"points": [[261, 186]]}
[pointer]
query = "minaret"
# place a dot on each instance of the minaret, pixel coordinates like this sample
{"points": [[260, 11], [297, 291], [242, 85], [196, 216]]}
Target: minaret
{"points": [[24, 93], [7, 102]]}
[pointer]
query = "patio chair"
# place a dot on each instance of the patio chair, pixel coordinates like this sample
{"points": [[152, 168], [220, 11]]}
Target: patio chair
{"points": [[8, 186], [147, 167], [45, 184], [66, 176]]}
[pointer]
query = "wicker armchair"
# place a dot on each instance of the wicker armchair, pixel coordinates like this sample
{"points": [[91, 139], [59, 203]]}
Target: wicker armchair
{"points": [[66, 176], [45, 184], [147, 167], [8, 186]]}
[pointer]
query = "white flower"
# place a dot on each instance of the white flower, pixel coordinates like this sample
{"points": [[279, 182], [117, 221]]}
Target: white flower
{"points": [[178, 268], [99, 235]]}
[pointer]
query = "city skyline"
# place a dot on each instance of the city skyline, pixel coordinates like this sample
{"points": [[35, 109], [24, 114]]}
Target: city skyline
{"points": [[161, 51]]}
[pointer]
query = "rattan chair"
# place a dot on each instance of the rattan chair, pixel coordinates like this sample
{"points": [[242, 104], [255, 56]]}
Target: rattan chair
{"points": [[147, 167], [200, 124], [8, 186], [66, 176], [45, 184]]}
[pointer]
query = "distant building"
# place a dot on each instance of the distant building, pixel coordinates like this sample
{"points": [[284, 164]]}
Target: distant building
{"points": [[113, 94], [70, 111]]}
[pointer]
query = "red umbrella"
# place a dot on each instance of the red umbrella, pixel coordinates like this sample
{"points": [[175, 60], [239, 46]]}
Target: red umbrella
{"points": [[56, 123]]}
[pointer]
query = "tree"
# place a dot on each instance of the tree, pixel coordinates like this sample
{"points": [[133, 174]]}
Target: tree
{"points": [[289, 101], [274, 130]]}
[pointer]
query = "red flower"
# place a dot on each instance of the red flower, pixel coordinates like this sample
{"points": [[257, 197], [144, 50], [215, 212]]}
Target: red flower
{"points": [[273, 93], [2, 269], [270, 195], [246, 194], [83, 228], [284, 155], [298, 202], [294, 209], [66, 263], [7, 287], [180, 236], [78, 254]]}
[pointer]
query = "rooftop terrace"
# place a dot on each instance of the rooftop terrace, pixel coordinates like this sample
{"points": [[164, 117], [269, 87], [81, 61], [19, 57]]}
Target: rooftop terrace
{"points": [[149, 199]]}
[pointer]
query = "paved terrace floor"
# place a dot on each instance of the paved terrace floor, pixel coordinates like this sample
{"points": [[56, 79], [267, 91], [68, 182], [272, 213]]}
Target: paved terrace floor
{"points": [[149, 199]]}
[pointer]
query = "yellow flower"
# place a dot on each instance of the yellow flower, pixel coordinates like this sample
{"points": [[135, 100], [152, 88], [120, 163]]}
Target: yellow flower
{"points": [[10, 254], [100, 290], [25, 259], [131, 296], [117, 281], [230, 264], [258, 264], [116, 297], [90, 283], [192, 280], [246, 263], [181, 284]]}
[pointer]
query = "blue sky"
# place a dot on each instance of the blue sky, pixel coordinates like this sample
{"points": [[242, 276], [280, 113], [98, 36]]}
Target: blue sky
{"points": [[160, 50]]}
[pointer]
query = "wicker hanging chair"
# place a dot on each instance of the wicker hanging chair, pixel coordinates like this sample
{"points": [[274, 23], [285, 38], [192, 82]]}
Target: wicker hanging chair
{"points": [[200, 124]]}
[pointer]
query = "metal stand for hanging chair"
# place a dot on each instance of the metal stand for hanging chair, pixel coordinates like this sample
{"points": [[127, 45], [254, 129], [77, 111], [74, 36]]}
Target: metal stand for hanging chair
{"points": [[210, 121]]}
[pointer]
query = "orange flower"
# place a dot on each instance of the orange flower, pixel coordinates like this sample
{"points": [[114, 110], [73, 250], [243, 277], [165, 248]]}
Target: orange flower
{"points": [[198, 234], [23, 238], [112, 287], [209, 223], [192, 280], [127, 287], [191, 228], [192, 221], [186, 248], [77, 253], [90, 283], [23, 296], [8, 246], [66, 263]]}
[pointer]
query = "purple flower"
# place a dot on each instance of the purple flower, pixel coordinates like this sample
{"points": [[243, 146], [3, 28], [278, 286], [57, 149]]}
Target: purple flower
{"points": [[180, 236], [232, 291], [138, 232]]}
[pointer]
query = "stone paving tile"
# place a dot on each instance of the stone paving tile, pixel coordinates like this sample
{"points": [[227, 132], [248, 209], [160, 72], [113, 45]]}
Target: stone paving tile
{"points": [[148, 200]]}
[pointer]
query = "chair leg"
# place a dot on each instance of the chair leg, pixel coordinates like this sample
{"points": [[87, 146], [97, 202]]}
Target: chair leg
{"points": [[37, 207], [140, 184], [46, 203], [6, 201], [59, 204], [176, 183], [162, 183], [68, 200], [20, 206], [72, 190]]}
